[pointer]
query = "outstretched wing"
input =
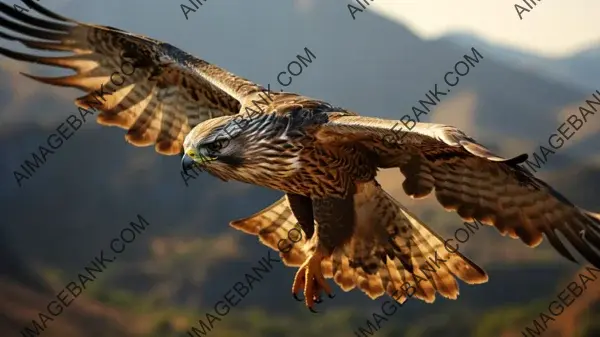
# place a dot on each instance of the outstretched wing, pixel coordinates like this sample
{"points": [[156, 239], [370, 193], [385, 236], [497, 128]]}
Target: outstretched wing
{"points": [[155, 91], [471, 180]]}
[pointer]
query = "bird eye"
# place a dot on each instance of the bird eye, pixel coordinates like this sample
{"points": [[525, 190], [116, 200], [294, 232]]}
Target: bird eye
{"points": [[217, 145]]}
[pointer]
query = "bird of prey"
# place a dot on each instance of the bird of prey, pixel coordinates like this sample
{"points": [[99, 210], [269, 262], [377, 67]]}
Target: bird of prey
{"points": [[325, 159]]}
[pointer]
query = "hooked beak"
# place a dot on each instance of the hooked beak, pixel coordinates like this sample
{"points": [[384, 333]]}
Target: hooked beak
{"points": [[187, 162]]}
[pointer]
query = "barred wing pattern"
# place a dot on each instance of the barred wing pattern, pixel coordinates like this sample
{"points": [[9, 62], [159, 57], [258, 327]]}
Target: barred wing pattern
{"points": [[469, 179], [155, 91]]}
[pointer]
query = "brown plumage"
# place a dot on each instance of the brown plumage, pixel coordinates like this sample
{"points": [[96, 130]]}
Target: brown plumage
{"points": [[324, 158]]}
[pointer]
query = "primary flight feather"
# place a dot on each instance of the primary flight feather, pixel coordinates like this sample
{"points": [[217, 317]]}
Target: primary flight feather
{"points": [[325, 159]]}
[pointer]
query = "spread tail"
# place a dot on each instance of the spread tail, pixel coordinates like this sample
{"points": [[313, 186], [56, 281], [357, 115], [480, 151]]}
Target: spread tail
{"points": [[391, 251]]}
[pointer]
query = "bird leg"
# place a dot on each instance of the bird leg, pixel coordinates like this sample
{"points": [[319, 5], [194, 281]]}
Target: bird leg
{"points": [[310, 277]]}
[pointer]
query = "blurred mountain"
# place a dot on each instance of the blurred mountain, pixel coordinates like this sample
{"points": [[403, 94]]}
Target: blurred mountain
{"points": [[188, 258], [579, 70]]}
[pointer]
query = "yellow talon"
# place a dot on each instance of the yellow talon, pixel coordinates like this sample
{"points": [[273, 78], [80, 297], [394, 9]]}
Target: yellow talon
{"points": [[310, 277]]}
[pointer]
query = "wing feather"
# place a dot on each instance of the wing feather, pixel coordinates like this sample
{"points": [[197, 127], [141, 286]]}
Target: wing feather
{"points": [[471, 180], [154, 90]]}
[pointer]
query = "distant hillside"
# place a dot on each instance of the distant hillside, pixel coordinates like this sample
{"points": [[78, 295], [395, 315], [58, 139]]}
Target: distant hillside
{"points": [[580, 70], [19, 305]]}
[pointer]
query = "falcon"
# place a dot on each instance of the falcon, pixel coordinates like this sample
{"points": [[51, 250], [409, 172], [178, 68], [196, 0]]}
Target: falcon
{"points": [[325, 159]]}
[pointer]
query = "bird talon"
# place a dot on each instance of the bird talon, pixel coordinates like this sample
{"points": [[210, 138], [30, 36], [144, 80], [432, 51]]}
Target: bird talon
{"points": [[312, 310], [296, 298], [310, 277], [331, 295]]}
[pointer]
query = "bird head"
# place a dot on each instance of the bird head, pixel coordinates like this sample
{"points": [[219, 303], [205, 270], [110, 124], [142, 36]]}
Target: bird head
{"points": [[249, 150]]}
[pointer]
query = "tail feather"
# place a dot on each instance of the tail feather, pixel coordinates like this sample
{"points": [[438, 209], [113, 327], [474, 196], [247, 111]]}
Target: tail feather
{"points": [[274, 227], [430, 244], [390, 249]]}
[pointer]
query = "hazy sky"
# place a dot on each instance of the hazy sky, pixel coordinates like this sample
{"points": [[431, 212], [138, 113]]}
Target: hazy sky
{"points": [[552, 27]]}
